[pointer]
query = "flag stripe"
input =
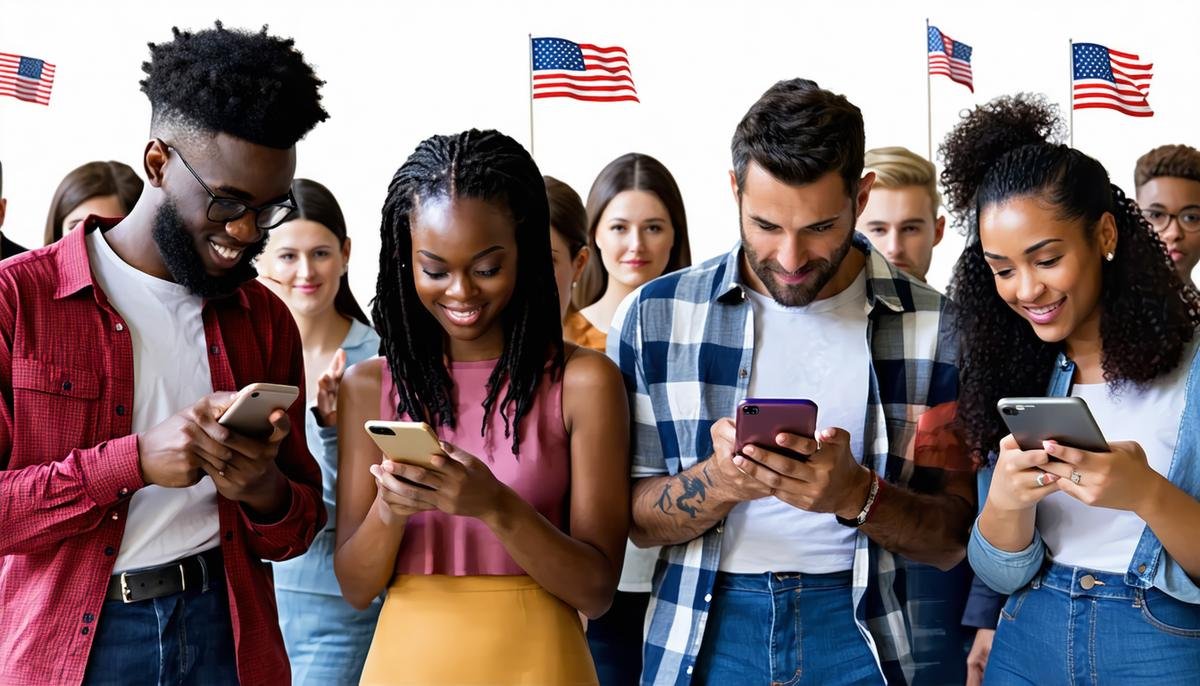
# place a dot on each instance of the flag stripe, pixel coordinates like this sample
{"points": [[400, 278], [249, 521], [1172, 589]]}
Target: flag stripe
{"points": [[590, 98], [575, 76], [555, 85], [1124, 109], [597, 48]]}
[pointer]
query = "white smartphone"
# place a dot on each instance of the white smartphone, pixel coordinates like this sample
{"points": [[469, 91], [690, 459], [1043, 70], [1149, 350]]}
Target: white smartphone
{"points": [[407, 442], [250, 413]]}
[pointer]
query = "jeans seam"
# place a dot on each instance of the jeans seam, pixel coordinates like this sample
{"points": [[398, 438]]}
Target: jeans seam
{"points": [[1070, 637], [1095, 612]]}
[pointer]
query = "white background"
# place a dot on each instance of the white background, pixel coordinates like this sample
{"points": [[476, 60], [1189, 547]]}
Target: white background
{"points": [[399, 72]]}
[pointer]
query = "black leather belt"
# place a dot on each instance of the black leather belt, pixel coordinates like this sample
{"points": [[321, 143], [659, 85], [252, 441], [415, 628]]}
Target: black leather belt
{"points": [[197, 572]]}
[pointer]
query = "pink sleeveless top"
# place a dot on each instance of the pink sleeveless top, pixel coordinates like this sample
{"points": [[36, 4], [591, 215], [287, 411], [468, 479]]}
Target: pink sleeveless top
{"points": [[437, 543]]}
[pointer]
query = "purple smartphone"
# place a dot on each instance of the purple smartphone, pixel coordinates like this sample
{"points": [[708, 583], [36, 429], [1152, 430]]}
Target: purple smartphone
{"points": [[759, 420]]}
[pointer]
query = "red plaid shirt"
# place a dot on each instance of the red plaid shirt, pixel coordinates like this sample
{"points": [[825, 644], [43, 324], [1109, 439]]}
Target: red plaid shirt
{"points": [[69, 463]]}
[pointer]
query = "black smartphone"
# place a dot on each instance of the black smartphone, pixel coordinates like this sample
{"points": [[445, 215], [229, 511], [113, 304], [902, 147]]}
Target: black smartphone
{"points": [[1067, 421]]}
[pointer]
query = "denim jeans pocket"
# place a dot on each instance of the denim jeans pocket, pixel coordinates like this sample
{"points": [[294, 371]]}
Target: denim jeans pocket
{"points": [[1012, 607], [1170, 615]]}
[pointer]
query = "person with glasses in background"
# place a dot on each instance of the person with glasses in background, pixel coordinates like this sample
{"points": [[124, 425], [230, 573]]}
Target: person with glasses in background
{"points": [[1167, 181], [136, 525]]}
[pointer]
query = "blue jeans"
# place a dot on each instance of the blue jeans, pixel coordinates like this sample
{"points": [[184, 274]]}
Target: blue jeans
{"points": [[185, 638], [615, 639], [784, 629], [327, 640], [1058, 631], [940, 643]]}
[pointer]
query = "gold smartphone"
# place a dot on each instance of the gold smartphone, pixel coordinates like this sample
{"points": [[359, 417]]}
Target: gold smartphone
{"points": [[250, 412], [408, 442]]}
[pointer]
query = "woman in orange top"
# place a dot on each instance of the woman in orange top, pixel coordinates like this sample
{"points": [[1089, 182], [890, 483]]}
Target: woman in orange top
{"points": [[637, 231], [569, 251]]}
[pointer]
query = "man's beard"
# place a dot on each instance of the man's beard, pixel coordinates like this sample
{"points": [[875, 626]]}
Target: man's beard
{"points": [[177, 247], [802, 294]]}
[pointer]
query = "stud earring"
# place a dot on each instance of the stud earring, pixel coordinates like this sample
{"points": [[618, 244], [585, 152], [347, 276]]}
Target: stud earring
{"points": [[1109, 256], [574, 284]]}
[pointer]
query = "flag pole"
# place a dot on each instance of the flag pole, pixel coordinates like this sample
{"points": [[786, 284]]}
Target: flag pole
{"points": [[530, 43], [1071, 93], [928, 96]]}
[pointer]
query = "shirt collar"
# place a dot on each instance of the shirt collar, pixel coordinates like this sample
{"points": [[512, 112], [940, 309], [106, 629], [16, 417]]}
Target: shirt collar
{"points": [[75, 268], [882, 289]]}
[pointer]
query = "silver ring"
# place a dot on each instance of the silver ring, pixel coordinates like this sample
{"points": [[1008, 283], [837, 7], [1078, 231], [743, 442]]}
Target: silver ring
{"points": [[1041, 479], [1076, 477]]}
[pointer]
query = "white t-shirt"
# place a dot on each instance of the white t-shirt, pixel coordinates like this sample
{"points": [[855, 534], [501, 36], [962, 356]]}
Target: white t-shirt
{"points": [[1100, 538], [818, 352], [170, 373]]}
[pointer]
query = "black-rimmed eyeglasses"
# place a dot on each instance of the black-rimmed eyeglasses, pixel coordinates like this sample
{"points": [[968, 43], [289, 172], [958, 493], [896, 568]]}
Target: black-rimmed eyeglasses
{"points": [[223, 210]]}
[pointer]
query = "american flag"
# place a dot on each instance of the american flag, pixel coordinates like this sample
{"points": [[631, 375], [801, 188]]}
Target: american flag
{"points": [[1110, 79], [26, 78], [949, 57], [564, 69]]}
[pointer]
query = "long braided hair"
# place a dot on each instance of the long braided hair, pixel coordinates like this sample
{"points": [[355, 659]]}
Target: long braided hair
{"points": [[489, 166], [1003, 150]]}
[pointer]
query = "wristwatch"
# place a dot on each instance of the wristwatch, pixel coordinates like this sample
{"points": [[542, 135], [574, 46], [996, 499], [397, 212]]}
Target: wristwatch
{"points": [[865, 513]]}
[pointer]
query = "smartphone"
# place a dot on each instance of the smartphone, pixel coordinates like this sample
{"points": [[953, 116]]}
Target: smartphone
{"points": [[759, 420], [250, 412], [1065, 420], [407, 442]]}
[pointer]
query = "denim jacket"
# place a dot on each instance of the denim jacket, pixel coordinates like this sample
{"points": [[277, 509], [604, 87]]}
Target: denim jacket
{"points": [[1150, 567]]}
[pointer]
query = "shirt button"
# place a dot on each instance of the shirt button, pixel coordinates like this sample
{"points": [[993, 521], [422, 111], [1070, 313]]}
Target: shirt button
{"points": [[120, 410], [66, 385], [123, 492], [1141, 569], [119, 327], [109, 551], [84, 631], [87, 618], [213, 349], [689, 669], [115, 516], [228, 535], [743, 373], [1087, 582], [708, 597]]}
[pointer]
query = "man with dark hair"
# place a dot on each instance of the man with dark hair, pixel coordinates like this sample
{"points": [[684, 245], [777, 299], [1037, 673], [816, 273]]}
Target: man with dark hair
{"points": [[780, 560], [7, 248], [135, 525], [1167, 180]]}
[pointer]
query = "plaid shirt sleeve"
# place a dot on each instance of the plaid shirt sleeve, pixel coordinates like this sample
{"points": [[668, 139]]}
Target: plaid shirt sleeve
{"points": [[624, 346]]}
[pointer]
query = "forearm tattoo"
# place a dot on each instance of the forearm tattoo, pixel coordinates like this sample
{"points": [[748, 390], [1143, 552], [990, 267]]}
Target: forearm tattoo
{"points": [[695, 491]]}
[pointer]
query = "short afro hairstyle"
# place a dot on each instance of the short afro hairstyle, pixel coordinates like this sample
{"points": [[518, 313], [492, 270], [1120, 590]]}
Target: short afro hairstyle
{"points": [[253, 86]]}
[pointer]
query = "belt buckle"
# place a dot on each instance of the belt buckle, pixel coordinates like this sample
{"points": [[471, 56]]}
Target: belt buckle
{"points": [[126, 594]]}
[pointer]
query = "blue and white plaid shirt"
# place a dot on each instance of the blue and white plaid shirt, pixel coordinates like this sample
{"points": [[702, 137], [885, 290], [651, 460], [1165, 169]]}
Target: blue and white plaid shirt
{"points": [[685, 345]]}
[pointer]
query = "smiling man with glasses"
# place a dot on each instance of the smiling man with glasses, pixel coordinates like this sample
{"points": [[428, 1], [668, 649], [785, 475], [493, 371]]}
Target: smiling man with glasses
{"points": [[1168, 192], [135, 525]]}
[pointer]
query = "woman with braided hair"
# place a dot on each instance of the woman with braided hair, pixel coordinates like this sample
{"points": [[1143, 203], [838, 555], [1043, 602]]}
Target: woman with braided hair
{"points": [[1064, 289], [489, 555]]}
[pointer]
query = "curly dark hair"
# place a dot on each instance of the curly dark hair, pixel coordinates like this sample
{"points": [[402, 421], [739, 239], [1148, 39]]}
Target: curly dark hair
{"points": [[485, 165], [1003, 150], [799, 132], [254, 86]]}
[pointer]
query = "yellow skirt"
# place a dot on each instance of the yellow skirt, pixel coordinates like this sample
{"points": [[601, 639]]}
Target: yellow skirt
{"points": [[460, 630]]}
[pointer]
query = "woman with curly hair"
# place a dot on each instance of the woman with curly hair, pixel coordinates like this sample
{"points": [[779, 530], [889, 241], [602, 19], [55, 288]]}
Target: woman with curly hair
{"points": [[1064, 289]]}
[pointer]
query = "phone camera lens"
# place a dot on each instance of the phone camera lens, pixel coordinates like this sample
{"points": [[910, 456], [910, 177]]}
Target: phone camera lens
{"points": [[1010, 411], [254, 394], [750, 409], [382, 431]]}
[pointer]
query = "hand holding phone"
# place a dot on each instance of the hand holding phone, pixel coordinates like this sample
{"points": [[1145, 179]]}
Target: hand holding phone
{"points": [[250, 413], [408, 442], [760, 420]]}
